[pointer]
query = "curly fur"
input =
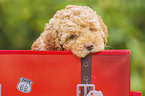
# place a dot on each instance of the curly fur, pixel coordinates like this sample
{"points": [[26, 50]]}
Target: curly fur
{"points": [[74, 28]]}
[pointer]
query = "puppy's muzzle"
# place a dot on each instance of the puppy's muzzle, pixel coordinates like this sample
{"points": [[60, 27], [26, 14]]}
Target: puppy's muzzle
{"points": [[89, 47]]}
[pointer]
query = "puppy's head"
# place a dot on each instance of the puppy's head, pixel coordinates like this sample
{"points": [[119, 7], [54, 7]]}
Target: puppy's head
{"points": [[79, 29]]}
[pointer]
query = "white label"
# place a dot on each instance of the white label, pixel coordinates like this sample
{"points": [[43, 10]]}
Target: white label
{"points": [[95, 93], [24, 85]]}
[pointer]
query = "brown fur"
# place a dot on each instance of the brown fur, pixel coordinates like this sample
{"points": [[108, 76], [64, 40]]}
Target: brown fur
{"points": [[74, 28]]}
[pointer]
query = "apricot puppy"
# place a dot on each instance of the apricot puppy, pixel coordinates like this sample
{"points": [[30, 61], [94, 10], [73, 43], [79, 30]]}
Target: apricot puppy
{"points": [[75, 28]]}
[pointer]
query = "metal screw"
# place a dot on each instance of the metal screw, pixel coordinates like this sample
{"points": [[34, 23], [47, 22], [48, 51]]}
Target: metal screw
{"points": [[86, 64]]}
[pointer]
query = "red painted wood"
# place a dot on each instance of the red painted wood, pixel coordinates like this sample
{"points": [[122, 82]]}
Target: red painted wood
{"points": [[58, 72], [135, 93]]}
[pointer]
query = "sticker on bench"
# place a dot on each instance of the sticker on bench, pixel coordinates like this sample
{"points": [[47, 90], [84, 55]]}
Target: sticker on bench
{"points": [[85, 87], [0, 89], [90, 87], [24, 85], [95, 93]]}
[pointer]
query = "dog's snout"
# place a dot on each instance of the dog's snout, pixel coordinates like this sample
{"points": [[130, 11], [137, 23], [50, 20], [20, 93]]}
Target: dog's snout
{"points": [[89, 47]]}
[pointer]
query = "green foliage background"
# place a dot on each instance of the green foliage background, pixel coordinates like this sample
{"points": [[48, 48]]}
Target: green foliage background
{"points": [[21, 22]]}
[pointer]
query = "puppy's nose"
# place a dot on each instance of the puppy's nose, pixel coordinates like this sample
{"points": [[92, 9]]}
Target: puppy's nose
{"points": [[89, 47]]}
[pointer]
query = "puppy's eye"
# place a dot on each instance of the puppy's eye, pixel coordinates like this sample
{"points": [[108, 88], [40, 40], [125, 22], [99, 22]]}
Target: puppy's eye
{"points": [[72, 36], [91, 29]]}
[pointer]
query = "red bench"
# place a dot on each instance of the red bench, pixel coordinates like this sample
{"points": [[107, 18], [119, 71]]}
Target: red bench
{"points": [[43, 73]]}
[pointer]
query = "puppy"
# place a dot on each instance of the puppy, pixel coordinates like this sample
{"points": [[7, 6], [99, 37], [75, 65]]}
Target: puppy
{"points": [[75, 28]]}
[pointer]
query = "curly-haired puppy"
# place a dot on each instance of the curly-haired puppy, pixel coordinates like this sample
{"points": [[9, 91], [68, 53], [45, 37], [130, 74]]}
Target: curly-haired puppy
{"points": [[75, 28]]}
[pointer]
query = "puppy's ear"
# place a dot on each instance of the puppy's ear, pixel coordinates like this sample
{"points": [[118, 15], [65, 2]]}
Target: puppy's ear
{"points": [[104, 27], [51, 39], [37, 45], [48, 40]]}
